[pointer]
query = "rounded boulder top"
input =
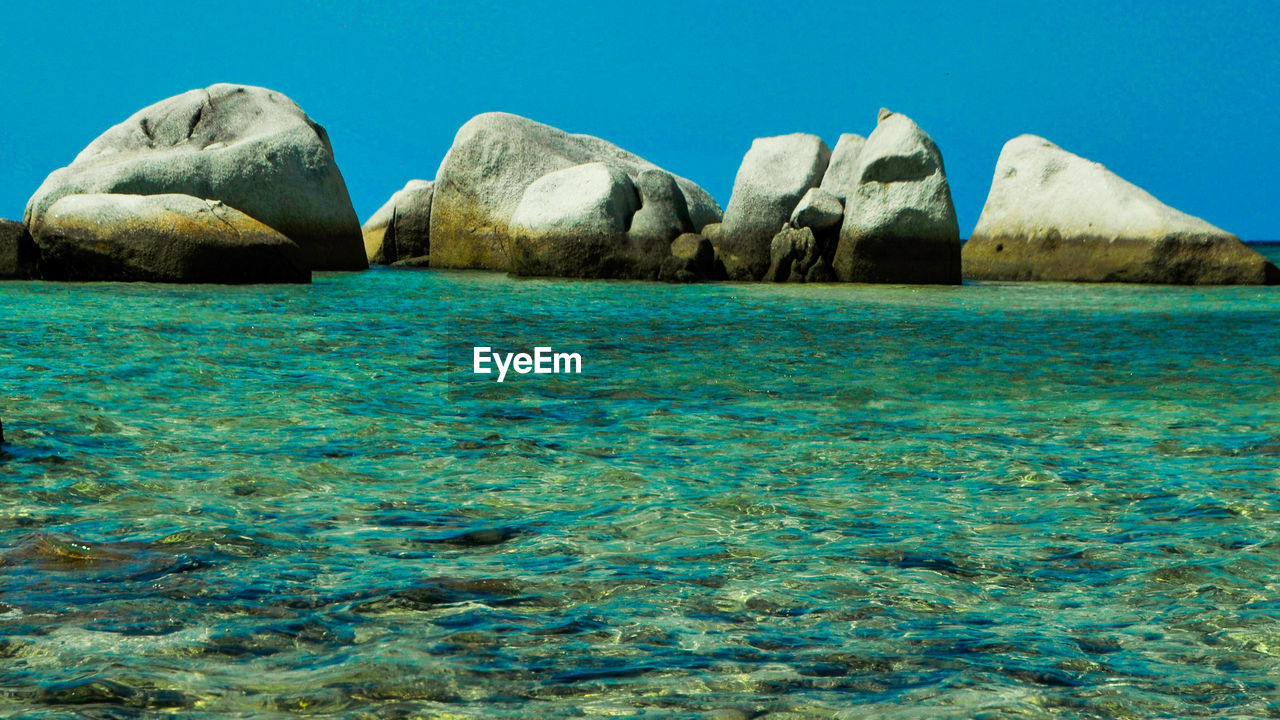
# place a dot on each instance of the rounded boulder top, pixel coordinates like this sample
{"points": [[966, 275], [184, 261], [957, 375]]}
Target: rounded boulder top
{"points": [[250, 147], [494, 159]]}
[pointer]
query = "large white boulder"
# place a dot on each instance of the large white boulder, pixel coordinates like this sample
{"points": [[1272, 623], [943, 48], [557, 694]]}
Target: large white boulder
{"points": [[493, 161], [249, 147], [774, 175], [899, 221], [1052, 215], [841, 177], [573, 223]]}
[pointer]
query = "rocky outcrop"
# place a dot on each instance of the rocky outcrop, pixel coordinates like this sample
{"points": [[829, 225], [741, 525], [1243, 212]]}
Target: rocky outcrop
{"points": [[17, 252], [493, 163], [573, 223], [1052, 215], [802, 250], [819, 210], [663, 215], [841, 177], [793, 254], [775, 174], [249, 147], [692, 260], [899, 221], [161, 238], [401, 229]]}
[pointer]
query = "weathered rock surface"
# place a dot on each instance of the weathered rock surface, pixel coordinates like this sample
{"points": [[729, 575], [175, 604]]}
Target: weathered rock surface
{"points": [[162, 238], [573, 223], [792, 253], [17, 252], [774, 175], [692, 260], [818, 209], [494, 160], [1052, 215], [250, 147], [899, 222], [841, 177], [714, 234], [401, 228], [663, 215]]}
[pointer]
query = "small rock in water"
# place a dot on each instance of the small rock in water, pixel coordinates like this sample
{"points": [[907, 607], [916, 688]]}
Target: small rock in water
{"points": [[692, 259], [400, 230], [59, 549], [18, 254], [478, 538]]}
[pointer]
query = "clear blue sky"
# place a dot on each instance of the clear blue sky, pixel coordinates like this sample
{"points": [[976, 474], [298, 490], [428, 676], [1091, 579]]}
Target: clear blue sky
{"points": [[1181, 98]]}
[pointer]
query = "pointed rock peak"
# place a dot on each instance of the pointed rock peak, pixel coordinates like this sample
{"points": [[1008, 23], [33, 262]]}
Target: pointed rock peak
{"points": [[884, 113], [1053, 215], [898, 150], [1039, 185], [841, 177]]}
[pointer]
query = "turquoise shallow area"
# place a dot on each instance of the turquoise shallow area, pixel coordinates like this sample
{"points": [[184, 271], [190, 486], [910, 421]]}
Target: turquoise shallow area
{"points": [[997, 500]]}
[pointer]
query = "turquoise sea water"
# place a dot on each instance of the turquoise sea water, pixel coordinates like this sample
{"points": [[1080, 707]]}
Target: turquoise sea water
{"points": [[998, 500]]}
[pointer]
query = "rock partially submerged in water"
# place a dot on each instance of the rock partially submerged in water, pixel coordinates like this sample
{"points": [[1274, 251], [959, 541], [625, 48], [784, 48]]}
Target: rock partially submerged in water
{"points": [[401, 229], [162, 238], [573, 223], [899, 222], [774, 175], [17, 252], [792, 253], [1052, 215], [496, 158], [249, 147], [692, 259]]}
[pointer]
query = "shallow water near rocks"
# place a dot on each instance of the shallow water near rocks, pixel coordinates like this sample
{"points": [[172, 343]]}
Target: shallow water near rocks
{"points": [[998, 500]]}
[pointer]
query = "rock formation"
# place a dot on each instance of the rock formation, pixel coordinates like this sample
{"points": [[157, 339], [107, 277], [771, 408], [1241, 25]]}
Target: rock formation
{"points": [[161, 238], [692, 260], [17, 252], [1052, 215], [251, 148], [573, 223], [818, 209], [495, 161], [841, 177], [401, 229], [899, 221], [774, 175]]}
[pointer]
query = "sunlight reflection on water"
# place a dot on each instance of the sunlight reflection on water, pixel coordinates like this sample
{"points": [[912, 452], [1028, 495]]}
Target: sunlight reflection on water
{"points": [[1011, 499]]}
